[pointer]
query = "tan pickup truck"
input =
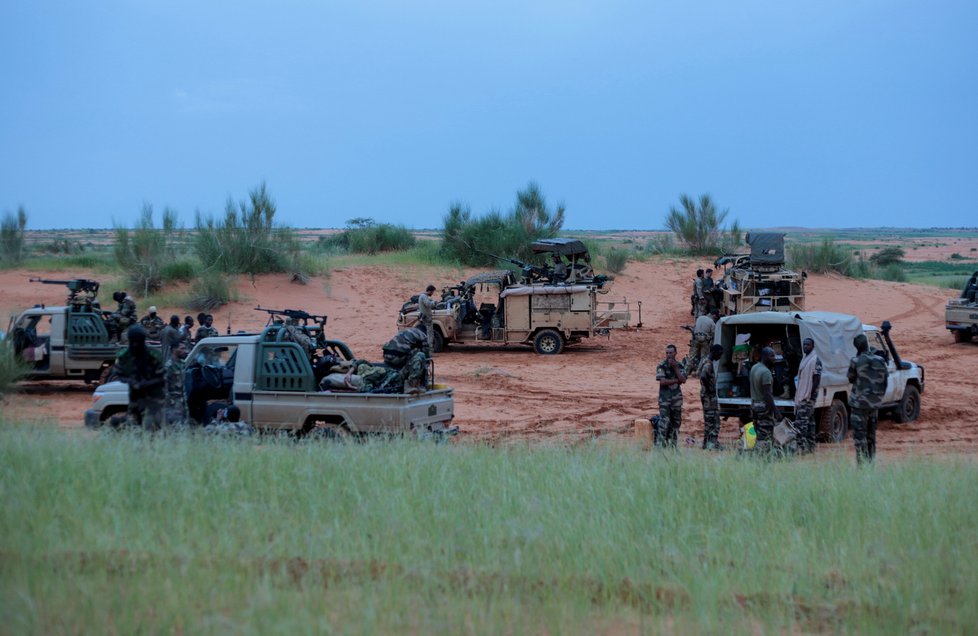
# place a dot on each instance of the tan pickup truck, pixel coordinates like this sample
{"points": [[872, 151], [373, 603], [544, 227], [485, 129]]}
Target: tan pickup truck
{"points": [[273, 383], [961, 313]]}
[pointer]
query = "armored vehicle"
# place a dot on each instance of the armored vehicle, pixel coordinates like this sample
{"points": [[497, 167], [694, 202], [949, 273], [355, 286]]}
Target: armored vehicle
{"points": [[759, 281], [66, 342], [961, 313], [546, 309], [273, 380], [744, 335]]}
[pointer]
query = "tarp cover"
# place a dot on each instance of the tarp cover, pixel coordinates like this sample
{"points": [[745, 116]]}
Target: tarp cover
{"points": [[536, 290], [766, 248], [562, 246], [498, 277]]}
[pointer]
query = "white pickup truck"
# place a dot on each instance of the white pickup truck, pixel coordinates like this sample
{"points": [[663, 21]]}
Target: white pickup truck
{"points": [[273, 383], [743, 335]]}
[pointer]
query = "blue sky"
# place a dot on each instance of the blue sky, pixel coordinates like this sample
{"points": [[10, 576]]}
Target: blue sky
{"points": [[821, 114]]}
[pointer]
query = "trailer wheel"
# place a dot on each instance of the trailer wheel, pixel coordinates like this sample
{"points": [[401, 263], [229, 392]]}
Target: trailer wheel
{"points": [[834, 423], [909, 408], [548, 342]]}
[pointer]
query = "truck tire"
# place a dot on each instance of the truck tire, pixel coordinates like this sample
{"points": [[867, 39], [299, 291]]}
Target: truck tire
{"points": [[548, 342], [437, 342], [909, 408], [833, 424], [962, 335]]}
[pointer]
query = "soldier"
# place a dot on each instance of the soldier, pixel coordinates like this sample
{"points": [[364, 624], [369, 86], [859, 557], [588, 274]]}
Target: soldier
{"points": [[295, 333], [671, 376], [153, 324], [867, 373], [175, 405], [170, 336], [697, 294], [559, 270], [809, 378], [426, 305], [415, 372], [763, 408], [125, 315], [207, 328], [708, 285], [142, 369], [187, 332], [708, 397], [699, 345]]}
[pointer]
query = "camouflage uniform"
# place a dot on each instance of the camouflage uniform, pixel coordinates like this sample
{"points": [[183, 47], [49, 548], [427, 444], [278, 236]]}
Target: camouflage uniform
{"points": [[124, 317], [206, 332], [699, 303], [298, 335], [670, 406], [763, 416], [176, 399], [146, 403], [153, 325], [805, 416], [702, 340], [375, 378], [867, 372], [414, 373], [711, 412], [426, 305]]}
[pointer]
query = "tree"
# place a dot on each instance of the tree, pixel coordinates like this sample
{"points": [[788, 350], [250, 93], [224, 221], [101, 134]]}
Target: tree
{"points": [[888, 256], [144, 254], [700, 225], [12, 236]]}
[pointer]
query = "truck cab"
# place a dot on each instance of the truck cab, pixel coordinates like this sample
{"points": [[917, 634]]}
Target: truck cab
{"points": [[62, 343]]}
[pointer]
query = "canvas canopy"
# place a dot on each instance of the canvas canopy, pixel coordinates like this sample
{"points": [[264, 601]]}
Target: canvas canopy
{"points": [[766, 248], [497, 277], [561, 246]]}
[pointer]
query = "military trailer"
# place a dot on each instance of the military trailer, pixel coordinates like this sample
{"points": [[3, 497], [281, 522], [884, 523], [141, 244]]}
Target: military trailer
{"points": [[65, 342], [548, 307], [759, 281], [961, 313], [744, 335]]}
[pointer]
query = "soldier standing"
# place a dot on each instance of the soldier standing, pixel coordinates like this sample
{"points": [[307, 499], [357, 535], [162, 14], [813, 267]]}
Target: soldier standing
{"points": [[697, 294], [170, 336], [867, 373], [125, 315], [763, 408], [708, 397], [809, 378], [671, 376], [153, 324], [699, 345], [187, 331], [207, 328], [426, 305], [708, 286], [175, 405], [142, 369]]}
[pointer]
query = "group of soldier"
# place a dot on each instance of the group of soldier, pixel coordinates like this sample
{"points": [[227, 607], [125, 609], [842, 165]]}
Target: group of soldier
{"points": [[867, 373]]}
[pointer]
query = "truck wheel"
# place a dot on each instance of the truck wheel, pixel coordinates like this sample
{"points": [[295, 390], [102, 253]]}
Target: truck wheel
{"points": [[834, 423], [437, 342], [909, 408], [962, 335], [548, 342]]}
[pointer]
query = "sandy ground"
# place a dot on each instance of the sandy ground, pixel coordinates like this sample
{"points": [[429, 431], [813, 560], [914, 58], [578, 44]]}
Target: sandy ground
{"points": [[596, 389]]}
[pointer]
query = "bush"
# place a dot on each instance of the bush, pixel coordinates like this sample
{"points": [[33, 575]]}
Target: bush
{"points": [[892, 272], [144, 254], [700, 227], [12, 236], [888, 256], [210, 291], [247, 240], [365, 236], [616, 260], [821, 258], [61, 246], [467, 240], [958, 257], [182, 270], [12, 368]]}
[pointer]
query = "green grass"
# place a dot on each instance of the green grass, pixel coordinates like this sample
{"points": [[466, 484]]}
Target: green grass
{"points": [[116, 533]]}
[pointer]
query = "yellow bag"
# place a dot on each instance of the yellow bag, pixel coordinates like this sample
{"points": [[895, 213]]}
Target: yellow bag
{"points": [[748, 436]]}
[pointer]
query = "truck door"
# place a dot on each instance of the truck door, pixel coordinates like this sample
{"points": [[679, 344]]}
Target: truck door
{"points": [[896, 381]]}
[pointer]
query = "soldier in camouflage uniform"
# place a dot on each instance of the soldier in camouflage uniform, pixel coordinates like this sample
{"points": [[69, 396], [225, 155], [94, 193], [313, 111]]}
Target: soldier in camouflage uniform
{"points": [[763, 407], [295, 333], [708, 397], [809, 379], [414, 373], [426, 305], [142, 369], [153, 324], [176, 400], [206, 329], [867, 372], [124, 316], [670, 376]]}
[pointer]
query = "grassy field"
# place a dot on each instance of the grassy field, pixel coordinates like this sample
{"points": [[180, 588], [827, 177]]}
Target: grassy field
{"points": [[122, 534]]}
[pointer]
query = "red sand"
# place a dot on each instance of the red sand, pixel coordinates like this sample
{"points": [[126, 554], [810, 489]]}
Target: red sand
{"points": [[594, 389]]}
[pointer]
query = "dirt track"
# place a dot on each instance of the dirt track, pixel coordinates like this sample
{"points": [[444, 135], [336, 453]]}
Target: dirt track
{"points": [[594, 389]]}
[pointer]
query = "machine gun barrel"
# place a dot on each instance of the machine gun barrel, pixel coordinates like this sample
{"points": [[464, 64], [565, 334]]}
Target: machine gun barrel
{"points": [[295, 314], [48, 281]]}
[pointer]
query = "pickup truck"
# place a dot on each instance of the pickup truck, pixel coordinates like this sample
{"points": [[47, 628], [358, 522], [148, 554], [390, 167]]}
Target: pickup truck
{"points": [[273, 383], [743, 335], [961, 313]]}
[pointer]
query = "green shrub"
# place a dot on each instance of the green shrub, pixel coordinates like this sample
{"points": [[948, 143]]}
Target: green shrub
{"points": [[12, 227], [823, 257], [12, 368], [663, 244], [182, 270], [616, 260], [144, 254], [888, 256], [468, 239], [209, 291], [892, 272], [700, 226], [246, 241], [365, 236], [958, 257]]}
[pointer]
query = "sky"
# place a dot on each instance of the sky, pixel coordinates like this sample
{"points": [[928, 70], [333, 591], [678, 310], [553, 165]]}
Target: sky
{"points": [[837, 113]]}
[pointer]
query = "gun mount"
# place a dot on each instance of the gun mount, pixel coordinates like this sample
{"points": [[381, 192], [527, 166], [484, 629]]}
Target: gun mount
{"points": [[295, 315], [82, 292]]}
